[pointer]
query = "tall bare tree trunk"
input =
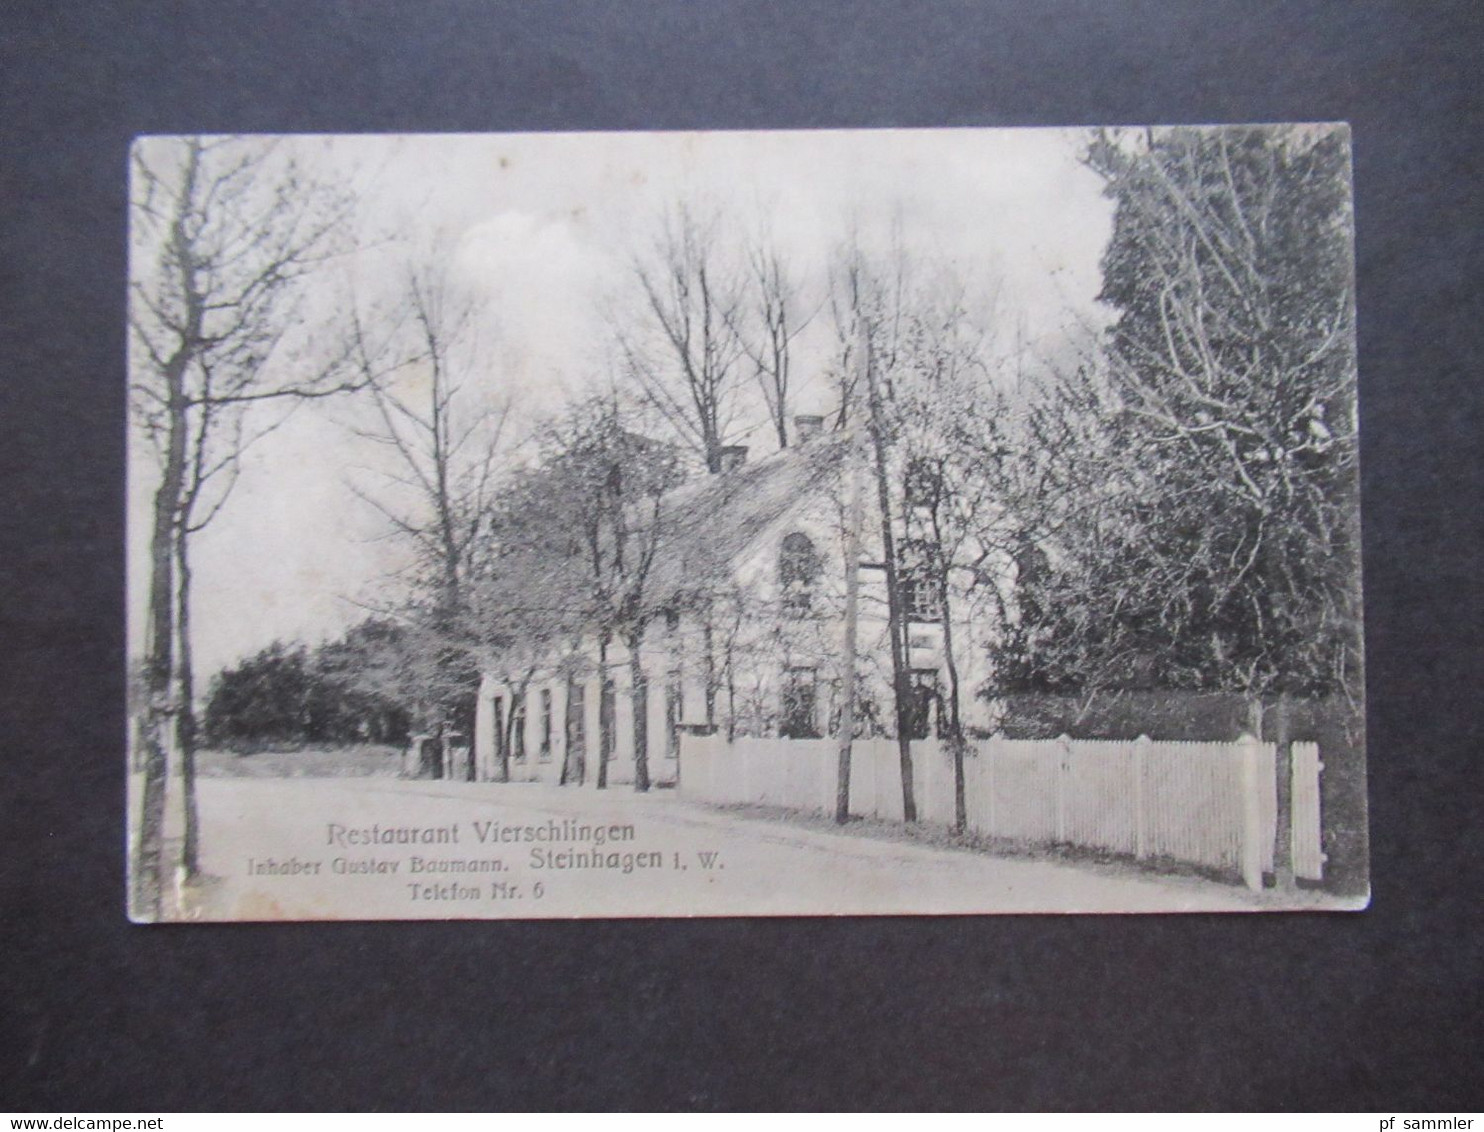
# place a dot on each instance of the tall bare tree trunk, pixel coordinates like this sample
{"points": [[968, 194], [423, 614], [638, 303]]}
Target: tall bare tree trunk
{"points": [[155, 726], [159, 663], [956, 743], [185, 719], [514, 719], [709, 642], [231, 241], [639, 698], [731, 671], [606, 721], [430, 747], [673, 684], [574, 755], [848, 649], [903, 693]]}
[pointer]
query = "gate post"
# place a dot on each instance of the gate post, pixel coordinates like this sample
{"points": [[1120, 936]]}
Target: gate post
{"points": [[1249, 748], [991, 824]]}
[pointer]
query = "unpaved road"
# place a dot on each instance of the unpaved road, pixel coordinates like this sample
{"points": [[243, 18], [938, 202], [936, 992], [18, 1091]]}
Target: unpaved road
{"points": [[377, 848]]}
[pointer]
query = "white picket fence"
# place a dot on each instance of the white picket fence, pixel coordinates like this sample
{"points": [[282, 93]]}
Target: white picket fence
{"points": [[1207, 804]]}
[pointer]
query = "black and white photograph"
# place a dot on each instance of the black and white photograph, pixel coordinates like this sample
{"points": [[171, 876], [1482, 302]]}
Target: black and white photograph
{"points": [[776, 523]]}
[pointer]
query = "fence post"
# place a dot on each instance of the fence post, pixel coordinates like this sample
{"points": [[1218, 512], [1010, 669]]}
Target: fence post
{"points": [[1064, 754], [1249, 749], [1141, 835], [988, 753], [1307, 828]]}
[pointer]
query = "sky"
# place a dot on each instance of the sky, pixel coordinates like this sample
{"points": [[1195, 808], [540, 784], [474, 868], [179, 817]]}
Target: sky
{"points": [[544, 230]]}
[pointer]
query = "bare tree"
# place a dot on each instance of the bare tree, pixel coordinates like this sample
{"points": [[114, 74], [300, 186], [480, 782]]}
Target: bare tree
{"points": [[223, 233], [853, 519], [683, 351], [770, 317], [442, 442], [868, 301], [1063, 491], [528, 606], [598, 505], [947, 426], [445, 440], [912, 365]]}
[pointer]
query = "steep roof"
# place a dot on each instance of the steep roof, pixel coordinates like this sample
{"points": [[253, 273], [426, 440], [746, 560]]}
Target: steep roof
{"points": [[718, 519]]}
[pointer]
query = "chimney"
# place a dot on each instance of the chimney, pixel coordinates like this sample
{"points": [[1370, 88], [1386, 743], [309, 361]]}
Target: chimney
{"points": [[733, 456], [806, 428]]}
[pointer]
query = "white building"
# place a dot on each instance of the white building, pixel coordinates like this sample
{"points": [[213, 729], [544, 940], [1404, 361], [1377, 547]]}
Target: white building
{"points": [[748, 635]]}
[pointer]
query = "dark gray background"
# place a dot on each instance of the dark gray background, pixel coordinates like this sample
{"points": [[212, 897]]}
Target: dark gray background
{"points": [[1380, 1010]]}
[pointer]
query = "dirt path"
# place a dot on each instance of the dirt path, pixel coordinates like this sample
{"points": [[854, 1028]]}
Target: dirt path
{"points": [[380, 848]]}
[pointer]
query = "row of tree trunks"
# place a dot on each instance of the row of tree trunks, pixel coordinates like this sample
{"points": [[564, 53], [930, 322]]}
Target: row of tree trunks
{"points": [[223, 231], [573, 761]]}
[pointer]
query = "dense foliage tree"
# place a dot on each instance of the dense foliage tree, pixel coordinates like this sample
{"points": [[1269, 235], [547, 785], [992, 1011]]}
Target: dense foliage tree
{"points": [[442, 433], [290, 694], [581, 536], [1209, 540]]}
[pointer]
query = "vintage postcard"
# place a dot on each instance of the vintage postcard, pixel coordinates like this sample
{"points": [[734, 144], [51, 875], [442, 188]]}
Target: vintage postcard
{"points": [[734, 524]]}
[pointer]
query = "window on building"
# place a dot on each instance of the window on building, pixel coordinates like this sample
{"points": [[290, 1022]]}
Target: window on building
{"points": [[927, 703], [546, 725], [921, 597], [800, 716], [798, 574], [518, 727]]}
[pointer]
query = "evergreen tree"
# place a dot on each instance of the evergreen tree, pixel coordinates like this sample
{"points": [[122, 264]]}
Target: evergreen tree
{"points": [[1212, 543]]}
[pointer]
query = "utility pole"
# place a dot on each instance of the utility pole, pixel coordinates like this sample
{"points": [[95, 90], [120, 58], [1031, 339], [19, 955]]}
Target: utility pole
{"points": [[894, 617]]}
